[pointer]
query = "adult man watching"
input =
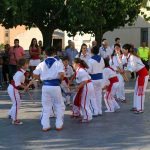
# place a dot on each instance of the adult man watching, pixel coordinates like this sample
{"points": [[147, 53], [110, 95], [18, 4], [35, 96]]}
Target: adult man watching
{"points": [[71, 53], [105, 51], [15, 53], [144, 53]]}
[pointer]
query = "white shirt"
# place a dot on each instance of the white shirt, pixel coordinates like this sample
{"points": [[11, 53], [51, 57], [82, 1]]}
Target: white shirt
{"points": [[134, 63], [89, 50], [68, 71], [95, 67], [49, 73], [115, 62], [82, 75], [84, 57], [107, 74], [105, 52], [19, 77]]}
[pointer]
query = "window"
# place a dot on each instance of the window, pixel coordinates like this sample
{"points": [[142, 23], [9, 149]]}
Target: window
{"points": [[144, 35], [6, 33]]}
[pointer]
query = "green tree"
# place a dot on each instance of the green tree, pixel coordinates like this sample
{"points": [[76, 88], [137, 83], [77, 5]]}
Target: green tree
{"points": [[47, 15], [106, 15], [86, 16]]}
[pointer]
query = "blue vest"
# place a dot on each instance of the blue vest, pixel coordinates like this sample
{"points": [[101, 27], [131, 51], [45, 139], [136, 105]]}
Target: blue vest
{"points": [[54, 82], [96, 76]]}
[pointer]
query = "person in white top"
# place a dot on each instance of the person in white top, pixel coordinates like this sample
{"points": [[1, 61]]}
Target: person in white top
{"points": [[94, 43], [65, 82], [85, 91], [116, 63], [52, 108], [111, 85], [134, 63], [117, 41], [83, 54], [13, 90], [96, 66], [105, 51], [51, 72]]}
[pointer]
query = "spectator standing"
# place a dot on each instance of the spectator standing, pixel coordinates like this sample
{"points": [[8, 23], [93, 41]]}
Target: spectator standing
{"points": [[94, 43], [117, 41], [105, 51], [15, 53], [144, 53], [34, 51], [1, 62], [40, 44], [5, 57], [69, 45], [71, 53]]}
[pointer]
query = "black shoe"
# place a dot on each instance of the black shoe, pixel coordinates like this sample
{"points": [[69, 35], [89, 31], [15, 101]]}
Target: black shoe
{"points": [[138, 112], [133, 109]]}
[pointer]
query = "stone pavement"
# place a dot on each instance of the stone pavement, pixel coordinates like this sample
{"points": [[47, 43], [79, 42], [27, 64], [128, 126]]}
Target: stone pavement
{"points": [[113, 131]]}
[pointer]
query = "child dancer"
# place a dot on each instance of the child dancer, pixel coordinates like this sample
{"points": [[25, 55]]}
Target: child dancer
{"points": [[83, 54], [16, 83], [65, 82], [85, 91], [96, 66], [51, 71], [134, 63], [116, 63], [111, 84]]}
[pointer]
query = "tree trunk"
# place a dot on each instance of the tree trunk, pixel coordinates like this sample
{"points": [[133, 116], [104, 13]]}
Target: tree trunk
{"points": [[47, 36], [99, 36]]}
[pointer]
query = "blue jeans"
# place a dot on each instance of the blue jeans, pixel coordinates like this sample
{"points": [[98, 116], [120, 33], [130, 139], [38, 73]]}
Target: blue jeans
{"points": [[12, 70], [1, 75]]}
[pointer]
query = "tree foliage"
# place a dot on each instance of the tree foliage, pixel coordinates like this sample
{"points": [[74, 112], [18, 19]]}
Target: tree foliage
{"points": [[47, 15], [85, 16], [106, 15]]}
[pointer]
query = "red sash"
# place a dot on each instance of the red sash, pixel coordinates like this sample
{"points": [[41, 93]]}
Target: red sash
{"points": [[77, 100], [112, 81], [111, 68], [141, 79], [75, 74], [13, 82], [66, 80]]}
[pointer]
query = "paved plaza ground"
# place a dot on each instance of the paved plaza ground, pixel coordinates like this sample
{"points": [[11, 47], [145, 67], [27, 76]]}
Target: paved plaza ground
{"points": [[113, 131]]}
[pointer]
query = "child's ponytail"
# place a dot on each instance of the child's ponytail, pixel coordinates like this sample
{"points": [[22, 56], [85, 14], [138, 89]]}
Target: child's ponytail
{"points": [[81, 62]]}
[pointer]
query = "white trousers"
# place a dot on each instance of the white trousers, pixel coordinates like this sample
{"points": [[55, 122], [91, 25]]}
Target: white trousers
{"points": [[121, 90], [51, 96], [98, 93], [88, 95], [66, 91], [110, 101], [16, 101], [138, 101]]}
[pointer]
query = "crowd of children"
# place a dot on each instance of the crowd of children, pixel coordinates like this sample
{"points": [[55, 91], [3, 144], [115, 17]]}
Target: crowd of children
{"points": [[92, 75]]}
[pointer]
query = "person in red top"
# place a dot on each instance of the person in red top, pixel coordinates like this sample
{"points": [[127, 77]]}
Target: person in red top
{"points": [[15, 53], [34, 51]]}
